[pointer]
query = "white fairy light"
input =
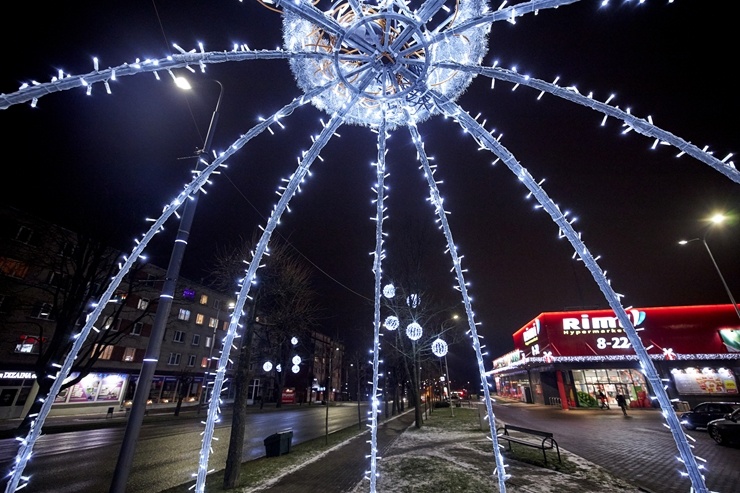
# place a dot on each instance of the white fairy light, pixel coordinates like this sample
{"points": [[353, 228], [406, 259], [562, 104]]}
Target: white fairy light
{"points": [[347, 67]]}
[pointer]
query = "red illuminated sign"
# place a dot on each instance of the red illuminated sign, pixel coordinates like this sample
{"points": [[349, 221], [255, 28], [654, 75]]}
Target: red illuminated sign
{"points": [[666, 331]]}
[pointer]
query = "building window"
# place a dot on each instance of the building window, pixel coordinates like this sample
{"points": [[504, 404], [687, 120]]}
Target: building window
{"points": [[143, 304], [199, 319], [174, 359], [204, 362], [136, 329], [209, 341], [109, 325], [213, 322], [129, 353], [188, 294], [204, 299], [24, 235], [196, 339], [42, 310], [184, 314], [150, 280], [66, 249], [179, 336], [13, 268], [216, 303], [191, 360], [106, 351], [56, 279]]}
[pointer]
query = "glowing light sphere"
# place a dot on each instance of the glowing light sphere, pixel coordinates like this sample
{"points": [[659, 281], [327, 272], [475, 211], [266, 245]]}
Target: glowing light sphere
{"points": [[389, 291], [296, 360], [414, 331], [439, 347], [391, 322], [413, 300], [294, 340], [383, 57], [296, 368], [267, 366]]}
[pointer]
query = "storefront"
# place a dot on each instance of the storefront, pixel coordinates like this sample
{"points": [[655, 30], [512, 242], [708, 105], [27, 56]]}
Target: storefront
{"points": [[567, 358]]}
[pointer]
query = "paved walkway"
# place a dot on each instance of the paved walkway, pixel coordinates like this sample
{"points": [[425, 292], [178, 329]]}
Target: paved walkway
{"points": [[342, 468]]}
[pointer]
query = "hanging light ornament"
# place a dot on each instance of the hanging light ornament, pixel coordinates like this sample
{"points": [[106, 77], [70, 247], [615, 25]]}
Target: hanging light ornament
{"points": [[296, 368], [391, 322], [414, 331], [296, 360], [278, 368], [389, 291], [294, 341], [439, 347], [413, 300], [267, 366]]}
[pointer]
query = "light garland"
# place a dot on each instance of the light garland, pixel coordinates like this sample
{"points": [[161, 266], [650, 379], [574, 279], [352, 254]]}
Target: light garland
{"points": [[382, 67]]}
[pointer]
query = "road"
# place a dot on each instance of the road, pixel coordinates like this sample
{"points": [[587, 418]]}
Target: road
{"points": [[639, 447], [166, 452]]}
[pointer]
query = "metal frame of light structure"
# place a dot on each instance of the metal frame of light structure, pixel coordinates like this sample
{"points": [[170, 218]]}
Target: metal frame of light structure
{"points": [[151, 357], [715, 219]]}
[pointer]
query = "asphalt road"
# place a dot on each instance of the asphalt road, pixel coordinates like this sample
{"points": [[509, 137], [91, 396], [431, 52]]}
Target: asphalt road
{"points": [[166, 453]]}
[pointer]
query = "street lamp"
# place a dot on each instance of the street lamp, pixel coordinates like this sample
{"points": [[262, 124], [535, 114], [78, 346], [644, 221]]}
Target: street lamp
{"points": [[716, 219], [138, 406]]}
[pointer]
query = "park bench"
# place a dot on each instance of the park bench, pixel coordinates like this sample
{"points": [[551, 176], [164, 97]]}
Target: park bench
{"points": [[529, 437]]}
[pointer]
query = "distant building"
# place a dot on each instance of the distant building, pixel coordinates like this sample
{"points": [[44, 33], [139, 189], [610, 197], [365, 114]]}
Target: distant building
{"points": [[568, 357], [34, 277]]}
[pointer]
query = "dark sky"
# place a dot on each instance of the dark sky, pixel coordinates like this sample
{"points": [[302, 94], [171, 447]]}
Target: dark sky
{"points": [[107, 162]]}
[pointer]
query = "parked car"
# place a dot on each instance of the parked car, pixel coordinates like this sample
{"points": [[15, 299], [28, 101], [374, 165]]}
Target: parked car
{"points": [[725, 430], [705, 412]]}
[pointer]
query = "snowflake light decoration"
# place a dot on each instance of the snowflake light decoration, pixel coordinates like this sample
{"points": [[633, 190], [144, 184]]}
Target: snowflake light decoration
{"points": [[385, 65]]}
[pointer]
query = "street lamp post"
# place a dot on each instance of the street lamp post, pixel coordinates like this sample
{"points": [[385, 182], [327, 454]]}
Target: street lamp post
{"points": [[717, 219], [149, 365]]}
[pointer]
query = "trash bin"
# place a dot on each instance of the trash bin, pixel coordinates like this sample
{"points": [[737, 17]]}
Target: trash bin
{"points": [[278, 443]]}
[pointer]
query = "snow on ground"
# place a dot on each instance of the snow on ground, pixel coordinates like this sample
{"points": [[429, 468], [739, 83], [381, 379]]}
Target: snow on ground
{"points": [[461, 461]]}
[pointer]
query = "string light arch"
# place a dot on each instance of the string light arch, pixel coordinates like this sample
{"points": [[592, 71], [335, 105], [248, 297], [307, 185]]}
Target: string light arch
{"points": [[389, 67]]}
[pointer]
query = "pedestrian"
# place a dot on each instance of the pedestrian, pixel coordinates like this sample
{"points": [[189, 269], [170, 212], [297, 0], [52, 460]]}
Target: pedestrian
{"points": [[622, 403], [602, 400]]}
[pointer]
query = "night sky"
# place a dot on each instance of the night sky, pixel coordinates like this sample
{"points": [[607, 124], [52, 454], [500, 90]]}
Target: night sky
{"points": [[106, 162]]}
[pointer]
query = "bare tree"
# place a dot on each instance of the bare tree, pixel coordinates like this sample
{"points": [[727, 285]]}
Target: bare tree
{"points": [[63, 274], [283, 307]]}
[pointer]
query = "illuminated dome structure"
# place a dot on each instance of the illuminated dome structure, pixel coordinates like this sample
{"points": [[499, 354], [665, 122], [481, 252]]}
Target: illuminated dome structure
{"points": [[388, 66], [383, 60]]}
